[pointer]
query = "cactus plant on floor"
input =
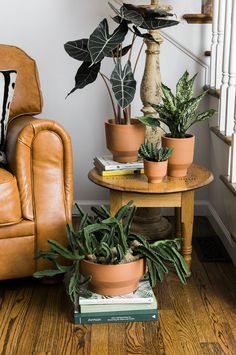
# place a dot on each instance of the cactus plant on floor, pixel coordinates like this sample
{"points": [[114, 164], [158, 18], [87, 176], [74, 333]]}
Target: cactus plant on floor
{"points": [[106, 240]]}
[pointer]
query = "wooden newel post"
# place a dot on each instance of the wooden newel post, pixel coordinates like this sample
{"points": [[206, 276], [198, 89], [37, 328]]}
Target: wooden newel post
{"points": [[148, 221]]}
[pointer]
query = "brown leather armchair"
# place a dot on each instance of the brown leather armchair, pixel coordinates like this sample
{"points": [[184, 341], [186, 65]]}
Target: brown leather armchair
{"points": [[36, 189]]}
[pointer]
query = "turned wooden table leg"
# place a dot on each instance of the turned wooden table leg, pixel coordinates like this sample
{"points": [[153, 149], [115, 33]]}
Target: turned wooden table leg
{"points": [[115, 201], [187, 215], [178, 230]]}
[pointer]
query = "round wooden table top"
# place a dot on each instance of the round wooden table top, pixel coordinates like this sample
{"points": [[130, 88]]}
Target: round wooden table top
{"points": [[197, 176]]}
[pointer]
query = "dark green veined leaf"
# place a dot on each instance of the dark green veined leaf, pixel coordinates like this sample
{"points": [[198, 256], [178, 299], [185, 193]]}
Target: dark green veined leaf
{"points": [[117, 19], [101, 43], [157, 23], [78, 50], [149, 121], [131, 15], [147, 12], [143, 35], [49, 272], [117, 53], [117, 12], [85, 75], [123, 84]]}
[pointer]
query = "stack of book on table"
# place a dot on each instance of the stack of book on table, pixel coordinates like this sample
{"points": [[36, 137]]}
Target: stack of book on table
{"points": [[138, 306], [108, 167]]}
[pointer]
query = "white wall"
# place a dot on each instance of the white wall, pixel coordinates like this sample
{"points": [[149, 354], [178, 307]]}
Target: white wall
{"points": [[41, 27]]}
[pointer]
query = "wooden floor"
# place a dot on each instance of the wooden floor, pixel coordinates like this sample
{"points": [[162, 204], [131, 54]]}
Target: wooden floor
{"points": [[199, 318]]}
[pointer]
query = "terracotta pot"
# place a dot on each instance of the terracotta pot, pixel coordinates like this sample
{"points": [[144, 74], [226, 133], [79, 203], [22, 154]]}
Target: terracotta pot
{"points": [[182, 156], [155, 171], [113, 280], [124, 140]]}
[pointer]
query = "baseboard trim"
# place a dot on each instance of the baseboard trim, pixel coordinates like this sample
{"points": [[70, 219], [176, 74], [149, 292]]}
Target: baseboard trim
{"points": [[221, 230]]}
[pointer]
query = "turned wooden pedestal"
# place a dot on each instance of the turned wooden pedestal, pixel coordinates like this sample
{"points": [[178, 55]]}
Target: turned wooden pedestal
{"points": [[172, 192]]}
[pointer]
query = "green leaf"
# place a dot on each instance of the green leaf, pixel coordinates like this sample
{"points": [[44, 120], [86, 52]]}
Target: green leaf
{"points": [[181, 86], [131, 15], [49, 272], [123, 211], [78, 50], [144, 35], [149, 121], [205, 115], [170, 99], [51, 255], [117, 52], [85, 75], [101, 43], [123, 84], [62, 250], [157, 23]]}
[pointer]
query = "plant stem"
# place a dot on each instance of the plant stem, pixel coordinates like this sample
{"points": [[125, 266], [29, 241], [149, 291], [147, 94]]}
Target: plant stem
{"points": [[132, 44], [126, 115], [139, 53], [110, 94]]}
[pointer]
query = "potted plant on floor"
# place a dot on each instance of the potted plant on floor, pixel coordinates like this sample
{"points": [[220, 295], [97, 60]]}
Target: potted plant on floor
{"points": [[179, 112], [155, 160], [104, 253], [124, 134]]}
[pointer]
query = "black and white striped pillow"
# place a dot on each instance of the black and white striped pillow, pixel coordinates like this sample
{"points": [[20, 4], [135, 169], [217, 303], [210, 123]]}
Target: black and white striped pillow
{"points": [[7, 86]]}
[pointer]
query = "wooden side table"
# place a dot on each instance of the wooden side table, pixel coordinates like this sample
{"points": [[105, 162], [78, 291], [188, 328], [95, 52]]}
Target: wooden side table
{"points": [[172, 192]]}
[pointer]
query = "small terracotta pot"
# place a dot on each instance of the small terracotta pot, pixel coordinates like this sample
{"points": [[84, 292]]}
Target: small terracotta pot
{"points": [[182, 156], [155, 171], [124, 140], [113, 280]]}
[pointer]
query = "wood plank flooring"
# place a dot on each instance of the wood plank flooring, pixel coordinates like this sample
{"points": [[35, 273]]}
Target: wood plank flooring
{"points": [[199, 318]]}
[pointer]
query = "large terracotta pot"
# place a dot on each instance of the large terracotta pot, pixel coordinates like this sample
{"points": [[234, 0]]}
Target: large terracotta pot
{"points": [[155, 171], [182, 156], [124, 140], [113, 280]]}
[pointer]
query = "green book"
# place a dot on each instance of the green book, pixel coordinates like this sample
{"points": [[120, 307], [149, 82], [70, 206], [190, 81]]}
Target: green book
{"points": [[101, 308], [115, 317]]}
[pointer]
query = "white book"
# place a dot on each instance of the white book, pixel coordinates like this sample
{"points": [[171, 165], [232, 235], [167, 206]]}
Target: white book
{"points": [[143, 295], [106, 163]]}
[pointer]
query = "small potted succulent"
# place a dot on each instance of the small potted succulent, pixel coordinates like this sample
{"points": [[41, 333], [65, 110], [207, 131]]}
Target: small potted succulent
{"points": [[123, 133], [104, 253], [155, 160], [179, 112]]}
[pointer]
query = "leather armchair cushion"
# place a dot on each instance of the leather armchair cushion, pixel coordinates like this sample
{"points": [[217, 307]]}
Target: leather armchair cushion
{"points": [[10, 208]]}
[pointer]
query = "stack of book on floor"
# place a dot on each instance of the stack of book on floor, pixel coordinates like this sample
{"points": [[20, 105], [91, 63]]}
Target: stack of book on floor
{"points": [[138, 306], [108, 167]]}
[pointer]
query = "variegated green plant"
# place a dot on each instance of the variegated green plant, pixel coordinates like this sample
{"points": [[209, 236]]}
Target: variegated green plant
{"points": [[101, 44], [108, 240], [178, 112], [151, 151]]}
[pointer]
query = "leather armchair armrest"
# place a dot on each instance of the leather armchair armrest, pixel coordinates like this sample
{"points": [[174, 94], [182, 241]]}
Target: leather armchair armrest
{"points": [[39, 154]]}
